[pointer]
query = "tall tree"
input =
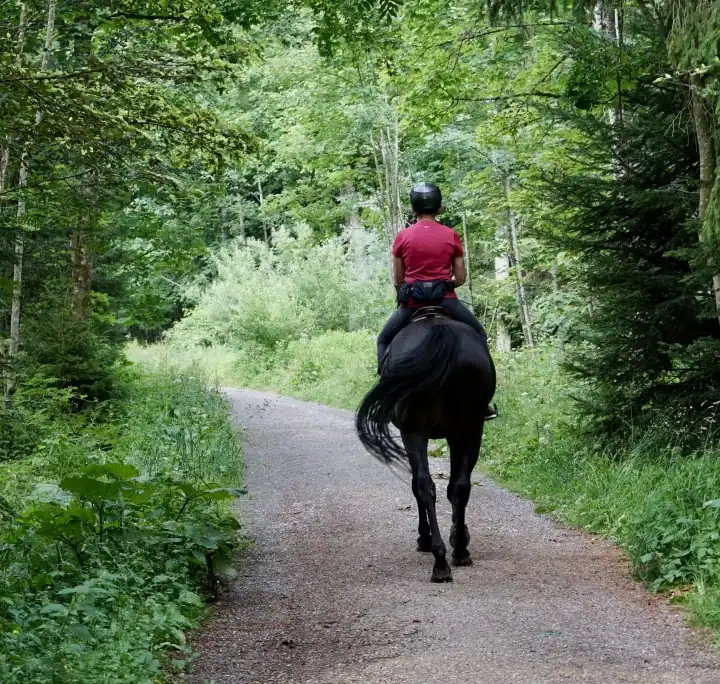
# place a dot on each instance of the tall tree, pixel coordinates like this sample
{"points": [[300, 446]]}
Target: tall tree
{"points": [[22, 185]]}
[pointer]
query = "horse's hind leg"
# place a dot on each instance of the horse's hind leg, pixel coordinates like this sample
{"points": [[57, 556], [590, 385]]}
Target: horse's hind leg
{"points": [[424, 542], [416, 447], [464, 452]]}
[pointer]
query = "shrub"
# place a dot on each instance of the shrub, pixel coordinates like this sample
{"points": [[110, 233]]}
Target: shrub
{"points": [[264, 297], [105, 562]]}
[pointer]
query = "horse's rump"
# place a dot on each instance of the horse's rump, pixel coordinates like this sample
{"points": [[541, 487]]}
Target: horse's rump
{"points": [[437, 375]]}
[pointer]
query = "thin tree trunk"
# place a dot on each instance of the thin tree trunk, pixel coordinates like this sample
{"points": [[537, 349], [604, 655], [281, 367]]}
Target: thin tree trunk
{"points": [[5, 152], [83, 266], [224, 231], [520, 287], [396, 172], [382, 203], [381, 196], [261, 198], [4, 161], [521, 296], [503, 342], [390, 155], [556, 296], [82, 253], [608, 22], [21, 208], [604, 18], [704, 126], [387, 165], [241, 223], [467, 260]]}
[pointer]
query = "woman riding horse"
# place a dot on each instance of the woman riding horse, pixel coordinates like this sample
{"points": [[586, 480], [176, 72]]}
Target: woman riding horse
{"points": [[437, 380], [428, 265]]}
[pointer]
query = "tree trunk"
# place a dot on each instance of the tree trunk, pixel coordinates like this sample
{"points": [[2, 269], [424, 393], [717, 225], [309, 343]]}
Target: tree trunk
{"points": [[521, 296], [5, 152], [82, 253], [386, 153], [519, 280], [467, 260], [241, 223], [704, 130], [82, 275], [261, 199], [608, 22], [503, 342], [604, 18], [21, 208], [560, 337], [390, 156], [389, 163]]}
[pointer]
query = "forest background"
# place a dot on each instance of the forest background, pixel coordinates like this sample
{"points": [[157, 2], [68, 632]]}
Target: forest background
{"points": [[222, 182]]}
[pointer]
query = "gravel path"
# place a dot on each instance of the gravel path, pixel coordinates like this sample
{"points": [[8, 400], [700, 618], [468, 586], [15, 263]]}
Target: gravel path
{"points": [[334, 591]]}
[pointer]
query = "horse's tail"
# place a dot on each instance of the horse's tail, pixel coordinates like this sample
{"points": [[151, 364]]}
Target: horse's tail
{"points": [[422, 372]]}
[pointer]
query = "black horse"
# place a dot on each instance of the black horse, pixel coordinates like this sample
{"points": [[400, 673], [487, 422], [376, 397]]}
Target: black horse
{"points": [[437, 381]]}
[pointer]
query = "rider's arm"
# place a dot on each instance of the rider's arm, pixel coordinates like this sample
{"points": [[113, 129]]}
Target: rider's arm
{"points": [[458, 269], [398, 271]]}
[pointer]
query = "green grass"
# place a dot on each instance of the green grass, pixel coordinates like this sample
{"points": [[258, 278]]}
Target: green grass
{"points": [[112, 533], [334, 368]]}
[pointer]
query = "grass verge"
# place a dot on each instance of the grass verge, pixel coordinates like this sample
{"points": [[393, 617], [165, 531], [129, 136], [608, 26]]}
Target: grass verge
{"points": [[113, 533], [661, 507]]}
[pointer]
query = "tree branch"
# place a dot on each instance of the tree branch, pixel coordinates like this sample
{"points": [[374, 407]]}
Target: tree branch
{"points": [[38, 184], [52, 77], [148, 17], [501, 29]]}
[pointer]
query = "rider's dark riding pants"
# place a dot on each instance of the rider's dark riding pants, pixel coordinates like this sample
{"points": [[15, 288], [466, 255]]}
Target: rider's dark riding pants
{"points": [[401, 317]]}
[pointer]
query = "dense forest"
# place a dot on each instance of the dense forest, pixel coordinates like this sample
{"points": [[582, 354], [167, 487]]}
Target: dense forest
{"points": [[218, 184]]}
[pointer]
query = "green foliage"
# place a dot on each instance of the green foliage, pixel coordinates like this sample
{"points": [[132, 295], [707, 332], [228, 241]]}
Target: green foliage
{"points": [[660, 506], [191, 436], [650, 345], [264, 297], [107, 550], [335, 368]]}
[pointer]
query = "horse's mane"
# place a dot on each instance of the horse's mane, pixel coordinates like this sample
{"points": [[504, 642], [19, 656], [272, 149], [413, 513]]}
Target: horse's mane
{"points": [[424, 370]]}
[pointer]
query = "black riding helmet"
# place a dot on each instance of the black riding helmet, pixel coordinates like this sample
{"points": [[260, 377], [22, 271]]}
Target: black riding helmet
{"points": [[426, 198]]}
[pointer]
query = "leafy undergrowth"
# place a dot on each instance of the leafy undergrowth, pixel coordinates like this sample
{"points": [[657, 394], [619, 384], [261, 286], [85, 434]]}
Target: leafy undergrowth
{"points": [[662, 507], [114, 534], [334, 368]]}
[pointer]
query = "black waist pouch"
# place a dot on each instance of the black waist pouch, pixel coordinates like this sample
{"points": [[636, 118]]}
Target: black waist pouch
{"points": [[403, 293], [428, 292]]}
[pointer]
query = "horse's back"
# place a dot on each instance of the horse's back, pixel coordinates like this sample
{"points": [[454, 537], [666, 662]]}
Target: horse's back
{"points": [[470, 354], [467, 386]]}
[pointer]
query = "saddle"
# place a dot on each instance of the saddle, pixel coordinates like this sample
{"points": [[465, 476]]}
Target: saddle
{"points": [[426, 312]]}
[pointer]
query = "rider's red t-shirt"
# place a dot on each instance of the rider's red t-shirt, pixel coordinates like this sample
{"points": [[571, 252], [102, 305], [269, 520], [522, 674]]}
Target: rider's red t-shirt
{"points": [[427, 249]]}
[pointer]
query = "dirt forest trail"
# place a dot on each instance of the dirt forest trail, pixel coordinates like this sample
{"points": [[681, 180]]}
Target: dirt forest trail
{"points": [[333, 591]]}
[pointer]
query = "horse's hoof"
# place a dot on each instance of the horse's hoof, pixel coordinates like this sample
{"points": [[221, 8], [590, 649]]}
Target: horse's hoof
{"points": [[424, 544], [441, 575], [453, 536], [462, 561]]}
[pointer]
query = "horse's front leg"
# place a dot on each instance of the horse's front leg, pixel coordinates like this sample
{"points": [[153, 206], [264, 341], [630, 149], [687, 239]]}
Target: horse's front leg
{"points": [[464, 452], [424, 542], [416, 447]]}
